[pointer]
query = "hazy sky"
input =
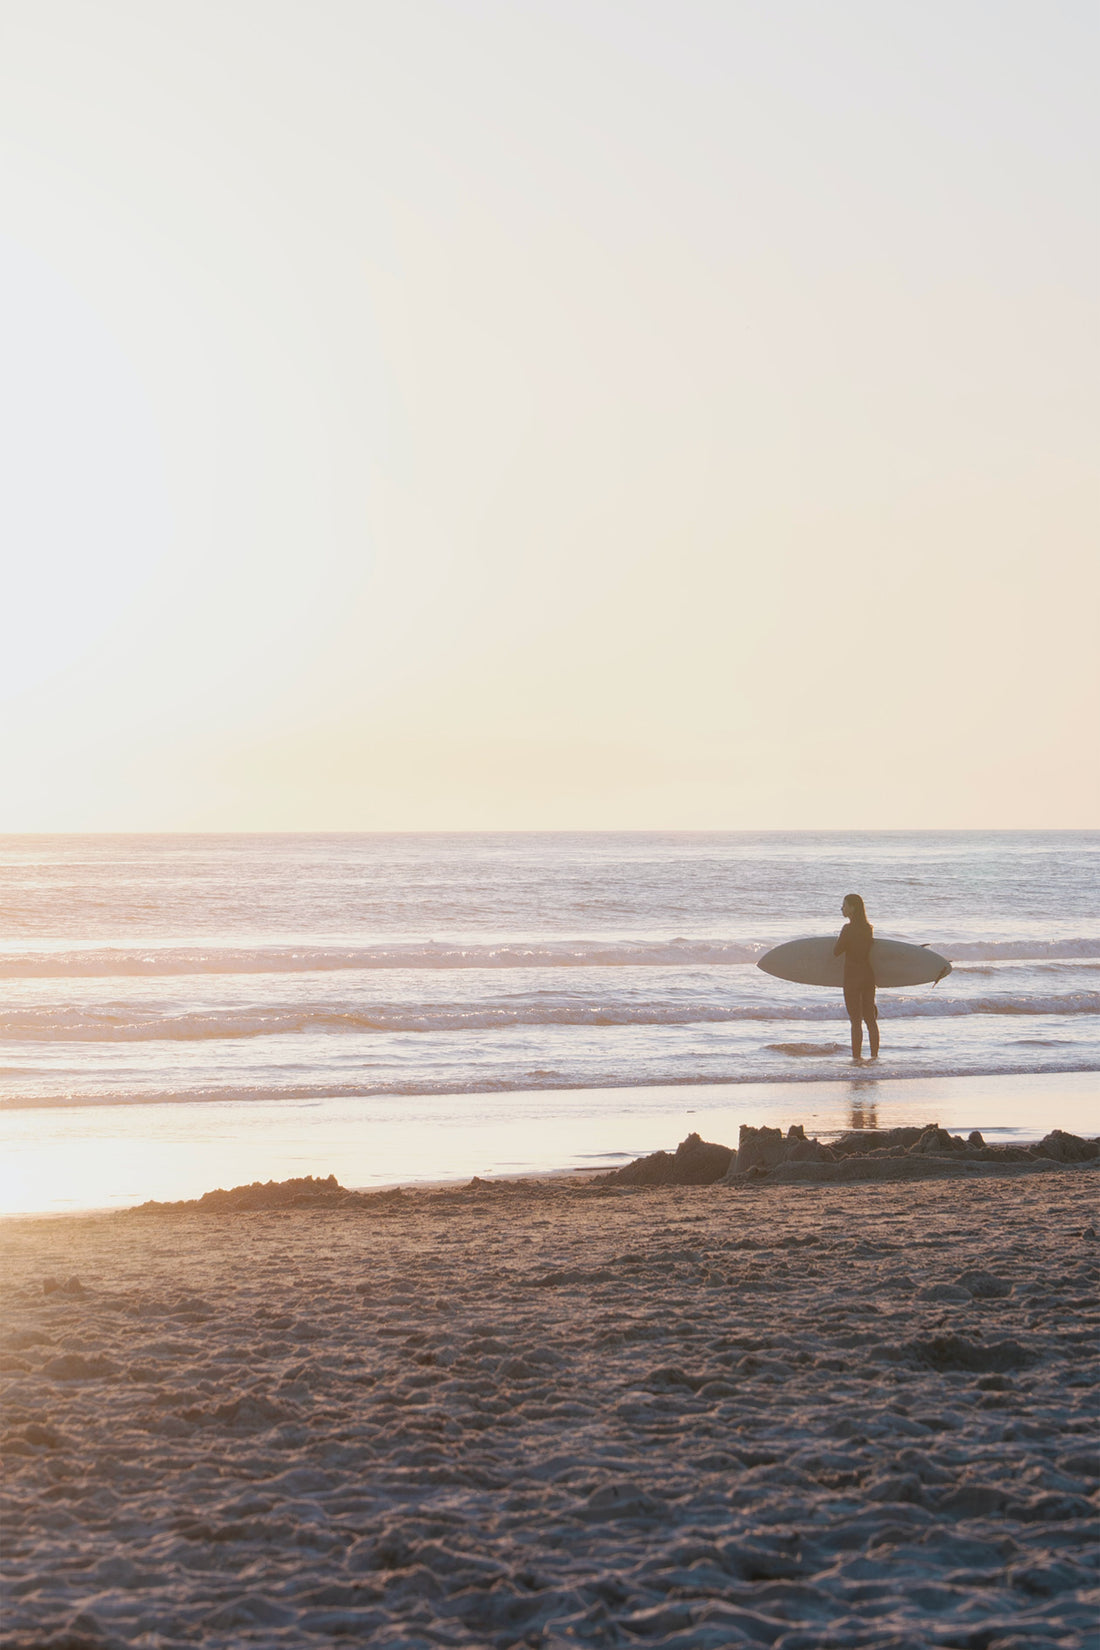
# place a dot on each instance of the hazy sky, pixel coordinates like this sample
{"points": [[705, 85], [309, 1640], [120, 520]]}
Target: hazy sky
{"points": [[456, 414]]}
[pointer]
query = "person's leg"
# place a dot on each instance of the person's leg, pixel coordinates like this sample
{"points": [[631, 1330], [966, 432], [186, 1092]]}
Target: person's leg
{"points": [[854, 1004], [870, 1014]]}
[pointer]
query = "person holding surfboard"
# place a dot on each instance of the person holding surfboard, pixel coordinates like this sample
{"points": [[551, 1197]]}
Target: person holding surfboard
{"points": [[854, 944]]}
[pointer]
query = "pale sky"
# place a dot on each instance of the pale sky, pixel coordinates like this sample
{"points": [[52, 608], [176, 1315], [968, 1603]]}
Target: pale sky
{"points": [[461, 414]]}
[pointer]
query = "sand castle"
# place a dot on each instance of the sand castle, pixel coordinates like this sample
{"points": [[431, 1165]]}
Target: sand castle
{"points": [[881, 1154]]}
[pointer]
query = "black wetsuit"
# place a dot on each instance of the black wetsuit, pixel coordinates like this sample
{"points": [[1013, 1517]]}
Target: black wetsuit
{"points": [[859, 978]]}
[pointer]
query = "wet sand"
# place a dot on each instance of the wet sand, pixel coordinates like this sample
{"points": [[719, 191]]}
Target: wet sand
{"points": [[72, 1159], [554, 1414]]}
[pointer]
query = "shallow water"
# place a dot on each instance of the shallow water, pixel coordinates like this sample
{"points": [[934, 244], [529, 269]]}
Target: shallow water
{"points": [[411, 993], [116, 1156]]}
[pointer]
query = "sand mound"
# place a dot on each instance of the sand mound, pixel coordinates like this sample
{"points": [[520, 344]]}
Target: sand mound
{"points": [[307, 1192], [763, 1154], [695, 1162], [892, 1154], [770, 1156]]}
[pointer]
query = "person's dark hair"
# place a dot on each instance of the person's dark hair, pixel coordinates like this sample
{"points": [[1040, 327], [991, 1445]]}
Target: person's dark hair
{"points": [[858, 911]]}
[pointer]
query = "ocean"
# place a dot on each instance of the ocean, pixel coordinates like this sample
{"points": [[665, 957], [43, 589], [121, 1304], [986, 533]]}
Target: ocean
{"points": [[412, 984]]}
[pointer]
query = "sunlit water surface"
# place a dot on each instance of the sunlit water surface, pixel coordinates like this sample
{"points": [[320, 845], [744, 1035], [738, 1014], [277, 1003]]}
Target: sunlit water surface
{"points": [[113, 1157], [183, 1012]]}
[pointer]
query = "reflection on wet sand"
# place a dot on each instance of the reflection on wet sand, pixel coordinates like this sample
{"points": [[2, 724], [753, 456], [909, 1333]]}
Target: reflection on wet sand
{"points": [[862, 1108]]}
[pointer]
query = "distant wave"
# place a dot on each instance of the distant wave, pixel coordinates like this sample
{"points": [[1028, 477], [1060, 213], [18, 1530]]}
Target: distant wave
{"points": [[107, 962], [127, 1024], [111, 961], [1020, 950]]}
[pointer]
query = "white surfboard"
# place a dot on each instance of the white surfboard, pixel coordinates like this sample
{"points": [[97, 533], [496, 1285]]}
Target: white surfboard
{"points": [[894, 962]]}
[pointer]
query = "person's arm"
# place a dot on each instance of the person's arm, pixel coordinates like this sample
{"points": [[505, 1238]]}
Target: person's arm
{"points": [[842, 941]]}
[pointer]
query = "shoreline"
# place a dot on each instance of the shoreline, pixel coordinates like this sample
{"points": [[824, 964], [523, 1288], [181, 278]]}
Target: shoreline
{"points": [[57, 1162], [565, 1180], [866, 1071]]}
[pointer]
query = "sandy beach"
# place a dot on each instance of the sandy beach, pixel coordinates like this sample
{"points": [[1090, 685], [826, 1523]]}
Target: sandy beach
{"points": [[549, 863], [552, 1413]]}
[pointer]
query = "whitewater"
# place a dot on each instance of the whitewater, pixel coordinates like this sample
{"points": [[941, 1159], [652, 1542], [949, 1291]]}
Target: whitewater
{"points": [[158, 970]]}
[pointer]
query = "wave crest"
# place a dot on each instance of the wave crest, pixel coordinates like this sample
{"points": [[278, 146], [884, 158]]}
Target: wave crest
{"points": [[121, 962], [129, 1024], [107, 962]]}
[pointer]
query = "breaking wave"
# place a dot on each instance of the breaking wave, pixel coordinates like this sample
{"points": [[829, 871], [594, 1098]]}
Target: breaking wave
{"points": [[1021, 950], [105, 962], [536, 1081], [122, 962], [131, 1024]]}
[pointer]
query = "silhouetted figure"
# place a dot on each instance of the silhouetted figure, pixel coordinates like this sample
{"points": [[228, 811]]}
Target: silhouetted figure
{"points": [[859, 979]]}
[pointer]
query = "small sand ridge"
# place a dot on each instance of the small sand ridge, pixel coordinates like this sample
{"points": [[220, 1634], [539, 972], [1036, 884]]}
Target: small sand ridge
{"points": [[559, 1414]]}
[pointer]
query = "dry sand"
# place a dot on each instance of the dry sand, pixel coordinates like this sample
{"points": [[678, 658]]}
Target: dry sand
{"points": [[552, 1414]]}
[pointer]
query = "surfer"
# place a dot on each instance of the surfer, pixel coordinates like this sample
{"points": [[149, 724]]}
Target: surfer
{"points": [[854, 944]]}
